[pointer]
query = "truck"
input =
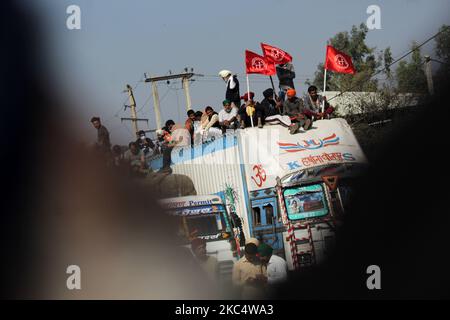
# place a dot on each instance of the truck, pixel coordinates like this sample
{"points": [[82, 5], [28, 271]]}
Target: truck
{"points": [[288, 190], [205, 217]]}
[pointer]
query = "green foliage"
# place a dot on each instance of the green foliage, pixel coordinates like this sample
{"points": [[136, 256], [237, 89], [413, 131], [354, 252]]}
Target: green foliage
{"points": [[363, 57], [411, 75], [443, 44]]}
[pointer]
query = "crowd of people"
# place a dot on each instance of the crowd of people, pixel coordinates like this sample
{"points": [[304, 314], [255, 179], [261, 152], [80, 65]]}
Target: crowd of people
{"points": [[284, 108]]}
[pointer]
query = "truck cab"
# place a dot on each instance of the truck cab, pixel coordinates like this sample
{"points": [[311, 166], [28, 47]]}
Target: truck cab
{"points": [[205, 217]]}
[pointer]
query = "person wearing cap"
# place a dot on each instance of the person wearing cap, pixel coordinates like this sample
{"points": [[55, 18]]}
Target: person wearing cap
{"points": [[227, 116], [209, 264], [232, 94], [249, 274], [272, 110], [276, 266], [313, 105], [294, 108], [252, 240], [145, 144], [250, 110]]}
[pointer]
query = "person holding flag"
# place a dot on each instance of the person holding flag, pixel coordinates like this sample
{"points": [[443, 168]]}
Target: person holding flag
{"points": [[313, 103], [250, 111], [254, 63], [284, 69]]}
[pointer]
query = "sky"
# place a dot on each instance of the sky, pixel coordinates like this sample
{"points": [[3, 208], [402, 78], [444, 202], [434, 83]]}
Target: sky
{"points": [[120, 40]]}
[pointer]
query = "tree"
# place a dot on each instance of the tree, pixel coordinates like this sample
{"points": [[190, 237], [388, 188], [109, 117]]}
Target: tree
{"points": [[410, 75], [442, 49], [364, 60], [443, 44]]}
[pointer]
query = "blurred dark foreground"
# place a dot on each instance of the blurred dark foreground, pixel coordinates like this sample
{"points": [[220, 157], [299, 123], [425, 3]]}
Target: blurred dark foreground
{"points": [[61, 207]]}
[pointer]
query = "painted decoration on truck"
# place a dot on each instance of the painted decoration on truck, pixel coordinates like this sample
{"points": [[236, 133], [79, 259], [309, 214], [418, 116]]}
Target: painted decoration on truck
{"points": [[311, 144], [305, 202]]}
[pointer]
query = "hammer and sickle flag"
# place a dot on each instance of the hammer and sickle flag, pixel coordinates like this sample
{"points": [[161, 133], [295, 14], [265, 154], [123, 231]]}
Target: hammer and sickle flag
{"points": [[331, 181]]}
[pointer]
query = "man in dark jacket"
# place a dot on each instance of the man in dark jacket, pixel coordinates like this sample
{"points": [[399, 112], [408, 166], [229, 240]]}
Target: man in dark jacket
{"points": [[145, 144], [232, 94], [103, 143], [273, 109], [286, 75], [269, 106]]}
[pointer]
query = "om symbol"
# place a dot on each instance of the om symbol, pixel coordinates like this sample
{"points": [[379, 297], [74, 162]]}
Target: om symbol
{"points": [[260, 174]]}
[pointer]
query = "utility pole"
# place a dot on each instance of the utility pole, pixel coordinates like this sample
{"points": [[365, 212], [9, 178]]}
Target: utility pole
{"points": [[185, 81], [156, 104], [429, 75], [134, 119]]}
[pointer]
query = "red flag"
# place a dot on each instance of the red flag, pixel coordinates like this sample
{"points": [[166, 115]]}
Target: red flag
{"points": [[258, 64], [275, 54], [338, 61]]}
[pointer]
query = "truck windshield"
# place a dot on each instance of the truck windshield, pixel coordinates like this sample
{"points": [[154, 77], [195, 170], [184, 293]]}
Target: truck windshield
{"points": [[204, 225], [209, 226], [305, 202]]}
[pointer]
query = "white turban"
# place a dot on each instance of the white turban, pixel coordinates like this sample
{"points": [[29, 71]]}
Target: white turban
{"points": [[224, 73]]}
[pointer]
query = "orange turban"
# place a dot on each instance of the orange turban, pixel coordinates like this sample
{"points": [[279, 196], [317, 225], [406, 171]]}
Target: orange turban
{"points": [[291, 93]]}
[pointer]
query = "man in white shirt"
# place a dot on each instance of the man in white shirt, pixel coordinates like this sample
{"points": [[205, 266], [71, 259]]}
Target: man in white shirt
{"points": [[276, 266], [227, 116], [180, 135]]}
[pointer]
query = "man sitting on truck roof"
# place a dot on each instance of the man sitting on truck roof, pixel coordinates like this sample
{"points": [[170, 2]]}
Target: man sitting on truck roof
{"points": [[272, 109], [249, 111], [313, 105], [295, 109], [228, 116]]}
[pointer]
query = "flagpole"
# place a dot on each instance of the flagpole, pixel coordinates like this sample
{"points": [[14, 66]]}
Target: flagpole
{"points": [[248, 97], [273, 87], [324, 88]]}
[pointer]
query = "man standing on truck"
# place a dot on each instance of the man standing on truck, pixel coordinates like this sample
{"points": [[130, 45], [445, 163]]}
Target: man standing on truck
{"points": [[103, 143], [249, 274], [286, 75], [232, 94]]}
